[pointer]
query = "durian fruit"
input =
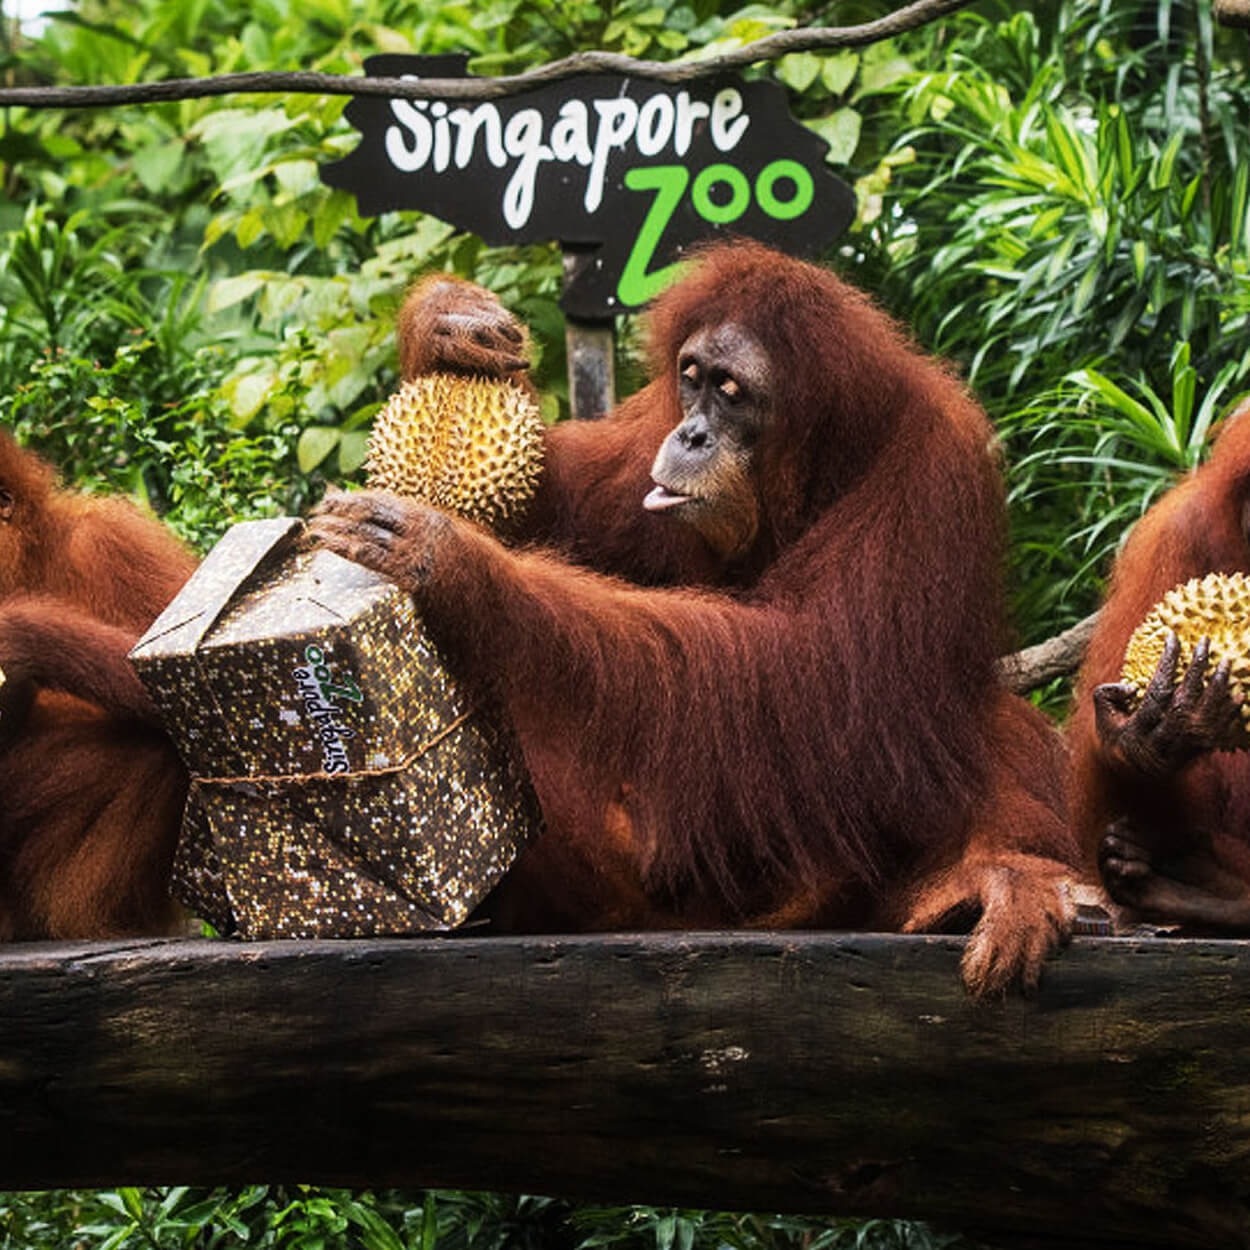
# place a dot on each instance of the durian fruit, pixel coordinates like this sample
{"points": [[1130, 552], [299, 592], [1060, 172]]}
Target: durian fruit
{"points": [[470, 445], [1216, 607]]}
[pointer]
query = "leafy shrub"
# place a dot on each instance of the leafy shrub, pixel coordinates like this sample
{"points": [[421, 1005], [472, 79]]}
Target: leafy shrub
{"points": [[308, 1218]]}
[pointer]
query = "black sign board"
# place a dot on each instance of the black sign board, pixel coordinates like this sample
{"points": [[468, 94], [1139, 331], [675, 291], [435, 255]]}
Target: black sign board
{"points": [[632, 172]]}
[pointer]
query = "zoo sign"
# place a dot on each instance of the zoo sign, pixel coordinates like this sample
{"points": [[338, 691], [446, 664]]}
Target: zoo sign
{"points": [[629, 171]]}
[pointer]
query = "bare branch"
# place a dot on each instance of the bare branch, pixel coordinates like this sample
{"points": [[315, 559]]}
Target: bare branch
{"points": [[1056, 657], [770, 48]]}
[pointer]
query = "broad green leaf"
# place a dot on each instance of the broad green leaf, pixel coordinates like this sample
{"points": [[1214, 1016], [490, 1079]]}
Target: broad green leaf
{"points": [[297, 177], [218, 226], [838, 71], [160, 165], [331, 212], [231, 291], [236, 139], [798, 70], [840, 130], [877, 76], [353, 447], [283, 298], [316, 442], [286, 223], [246, 393], [250, 227]]}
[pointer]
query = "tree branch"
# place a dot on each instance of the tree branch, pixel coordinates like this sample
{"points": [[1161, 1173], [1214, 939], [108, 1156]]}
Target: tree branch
{"points": [[770, 48], [1056, 657]]}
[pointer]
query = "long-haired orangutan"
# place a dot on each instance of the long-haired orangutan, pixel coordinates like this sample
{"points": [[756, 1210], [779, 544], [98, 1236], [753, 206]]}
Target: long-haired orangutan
{"points": [[1159, 802], [91, 790], [748, 648]]}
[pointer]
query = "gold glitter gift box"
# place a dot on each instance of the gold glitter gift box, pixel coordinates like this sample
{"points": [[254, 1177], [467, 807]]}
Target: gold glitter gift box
{"points": [[342, 785]]}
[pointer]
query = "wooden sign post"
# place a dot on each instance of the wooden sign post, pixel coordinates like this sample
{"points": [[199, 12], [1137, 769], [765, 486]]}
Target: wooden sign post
{"points": [[591, 348]]}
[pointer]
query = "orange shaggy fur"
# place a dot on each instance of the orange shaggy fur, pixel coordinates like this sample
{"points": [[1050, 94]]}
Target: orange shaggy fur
{"points": [[91, 790], [1199, 527]]}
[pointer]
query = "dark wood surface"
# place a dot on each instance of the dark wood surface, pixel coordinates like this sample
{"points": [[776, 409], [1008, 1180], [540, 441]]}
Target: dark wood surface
{"points": [[797, 1072]]}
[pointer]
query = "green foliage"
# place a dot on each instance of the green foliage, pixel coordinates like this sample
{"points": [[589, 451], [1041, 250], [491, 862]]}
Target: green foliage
{"points": [[265, 1217], [649, 1228], [191, 463], [1063, 208], [308, 1218], [104, 368]]}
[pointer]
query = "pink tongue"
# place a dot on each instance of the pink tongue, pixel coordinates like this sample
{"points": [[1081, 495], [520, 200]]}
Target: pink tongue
{"points": [[660, 499]]}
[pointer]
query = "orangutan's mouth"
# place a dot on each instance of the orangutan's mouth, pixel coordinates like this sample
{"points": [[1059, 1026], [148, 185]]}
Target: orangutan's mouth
{"points": [[661, 499]]}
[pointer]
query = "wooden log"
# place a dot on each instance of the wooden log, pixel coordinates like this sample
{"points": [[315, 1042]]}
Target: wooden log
{"points": [[1059, 656], [778, 1072]]}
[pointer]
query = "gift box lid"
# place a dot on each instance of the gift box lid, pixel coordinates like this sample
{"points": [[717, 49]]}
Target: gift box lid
{"points": [[280, 659], [236, 558], [208, 611]]}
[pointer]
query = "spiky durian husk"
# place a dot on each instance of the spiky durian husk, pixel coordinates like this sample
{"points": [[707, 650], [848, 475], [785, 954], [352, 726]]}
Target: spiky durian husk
{"points": [[1216, 607], [471, 445]]}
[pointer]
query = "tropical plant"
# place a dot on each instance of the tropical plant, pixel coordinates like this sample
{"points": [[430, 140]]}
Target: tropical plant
{"points": [[307, 1218]]}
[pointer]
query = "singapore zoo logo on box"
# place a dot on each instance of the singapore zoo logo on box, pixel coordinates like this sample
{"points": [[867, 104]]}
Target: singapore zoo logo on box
{"points": [[634, 171]]}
